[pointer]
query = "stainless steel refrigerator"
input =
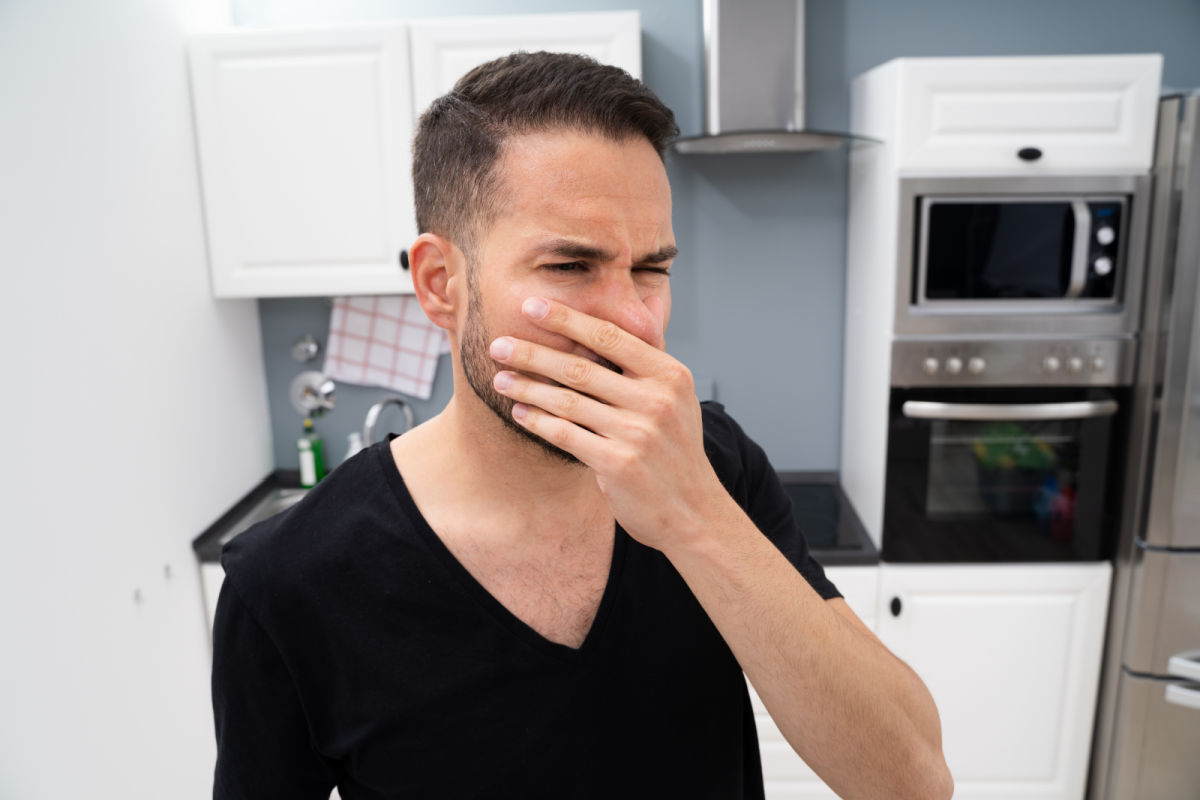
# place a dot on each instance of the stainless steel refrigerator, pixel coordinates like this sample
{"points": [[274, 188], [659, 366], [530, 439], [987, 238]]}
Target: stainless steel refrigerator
{"points": [[1147, 742]]}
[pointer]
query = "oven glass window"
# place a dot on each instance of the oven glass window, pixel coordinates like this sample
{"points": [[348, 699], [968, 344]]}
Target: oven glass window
{"points": [[1021, 471], [987, 251]]}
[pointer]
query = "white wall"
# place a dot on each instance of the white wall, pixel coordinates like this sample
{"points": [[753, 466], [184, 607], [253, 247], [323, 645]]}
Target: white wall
{"points": [[133, 407]]}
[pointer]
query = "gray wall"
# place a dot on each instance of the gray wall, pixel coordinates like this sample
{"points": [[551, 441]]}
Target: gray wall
{"points": [[759, 287]]}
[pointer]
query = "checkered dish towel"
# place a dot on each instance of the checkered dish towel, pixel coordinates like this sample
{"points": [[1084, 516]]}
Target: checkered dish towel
{"points": [[384, 341]]}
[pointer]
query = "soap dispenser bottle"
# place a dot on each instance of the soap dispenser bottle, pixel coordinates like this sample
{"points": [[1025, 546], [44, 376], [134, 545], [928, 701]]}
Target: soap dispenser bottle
{"points": [[312, 456]]}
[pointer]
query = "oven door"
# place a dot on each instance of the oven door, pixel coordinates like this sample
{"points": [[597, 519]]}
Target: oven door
{"points": [[1001, 475]]}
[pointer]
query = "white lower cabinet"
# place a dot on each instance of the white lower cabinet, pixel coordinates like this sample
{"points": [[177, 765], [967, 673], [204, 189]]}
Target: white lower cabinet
{"points": [[1011, 654]]}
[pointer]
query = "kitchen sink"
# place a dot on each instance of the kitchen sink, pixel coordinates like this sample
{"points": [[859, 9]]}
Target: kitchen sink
{"points": [[275, 501]]}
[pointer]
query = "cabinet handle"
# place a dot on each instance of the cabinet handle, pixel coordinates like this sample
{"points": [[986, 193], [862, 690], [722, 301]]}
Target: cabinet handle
{"points": [[404, 260], [1183, 696], [895, 606], [1029, 154]]}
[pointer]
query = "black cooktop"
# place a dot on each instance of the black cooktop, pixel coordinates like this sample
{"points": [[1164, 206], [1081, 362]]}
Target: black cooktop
{"points": [[827, 520]]}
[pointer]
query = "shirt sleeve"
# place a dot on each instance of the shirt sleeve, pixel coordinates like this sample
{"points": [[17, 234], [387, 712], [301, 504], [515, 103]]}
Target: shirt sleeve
{"points": [[263, 745], [749, 477]]}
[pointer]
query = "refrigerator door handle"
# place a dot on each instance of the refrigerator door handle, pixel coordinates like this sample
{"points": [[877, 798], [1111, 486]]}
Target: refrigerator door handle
{"points": [[1185, 665], [1180, 695]]}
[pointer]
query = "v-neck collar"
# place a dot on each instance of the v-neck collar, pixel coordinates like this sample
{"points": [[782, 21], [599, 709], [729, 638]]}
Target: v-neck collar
{"points": [[482, 596]]}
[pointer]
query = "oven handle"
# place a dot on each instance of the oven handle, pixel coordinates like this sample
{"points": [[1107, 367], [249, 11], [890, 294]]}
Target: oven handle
{"points": [[1079, 252], [988, 412]]}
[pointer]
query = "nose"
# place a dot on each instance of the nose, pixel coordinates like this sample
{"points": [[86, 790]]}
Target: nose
{"points": [[621, 301]]}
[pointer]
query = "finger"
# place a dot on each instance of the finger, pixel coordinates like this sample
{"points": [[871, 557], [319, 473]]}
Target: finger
{"points": [[563, 403], [563, 434], [575, 372], [600, 336]]}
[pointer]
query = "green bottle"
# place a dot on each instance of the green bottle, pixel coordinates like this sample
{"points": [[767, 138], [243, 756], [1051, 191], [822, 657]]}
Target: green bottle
{"points": [[312, 456]]}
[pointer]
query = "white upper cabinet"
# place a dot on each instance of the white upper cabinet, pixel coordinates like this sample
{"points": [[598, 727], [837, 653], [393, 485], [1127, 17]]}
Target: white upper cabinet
{"points": [[1014, 115], [304, 138], [446, 49]]}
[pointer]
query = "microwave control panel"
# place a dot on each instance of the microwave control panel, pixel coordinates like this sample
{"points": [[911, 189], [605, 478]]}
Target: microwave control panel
{"points": [[1013, 362]]}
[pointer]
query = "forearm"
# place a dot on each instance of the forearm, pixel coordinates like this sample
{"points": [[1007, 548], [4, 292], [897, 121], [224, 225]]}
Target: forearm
{"points": [[854, 712]]}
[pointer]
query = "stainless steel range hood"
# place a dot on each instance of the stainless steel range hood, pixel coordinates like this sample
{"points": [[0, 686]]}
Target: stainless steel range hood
{"points": [[754, 75]]}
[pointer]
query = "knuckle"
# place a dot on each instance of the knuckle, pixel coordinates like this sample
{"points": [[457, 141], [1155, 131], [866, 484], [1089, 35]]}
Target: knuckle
{"points": [[559, 435], [565, 403], [660, 406], [605, 336], [578, 372], [679, 375], [521, 356]]}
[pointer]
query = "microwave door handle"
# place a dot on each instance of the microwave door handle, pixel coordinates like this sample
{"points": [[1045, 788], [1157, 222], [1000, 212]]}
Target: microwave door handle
{"points": [[1079, 250], [991, 412]]}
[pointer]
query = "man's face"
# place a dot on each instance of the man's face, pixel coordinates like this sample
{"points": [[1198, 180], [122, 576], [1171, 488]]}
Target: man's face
{"points": [[587, 222]]}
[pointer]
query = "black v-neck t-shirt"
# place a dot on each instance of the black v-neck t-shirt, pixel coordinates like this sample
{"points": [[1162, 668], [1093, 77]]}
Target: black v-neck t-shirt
{"points": [[352, 649]]}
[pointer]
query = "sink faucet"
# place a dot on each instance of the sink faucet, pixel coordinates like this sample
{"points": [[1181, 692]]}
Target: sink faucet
{"points": [[377, 409]]}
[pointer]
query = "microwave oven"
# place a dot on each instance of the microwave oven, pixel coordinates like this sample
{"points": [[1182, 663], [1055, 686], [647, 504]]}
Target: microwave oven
{"points": [[1046, 255]]}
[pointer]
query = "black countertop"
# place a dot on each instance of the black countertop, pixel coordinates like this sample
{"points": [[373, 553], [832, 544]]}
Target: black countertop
{"points": [[208, 544], [835, 535]]}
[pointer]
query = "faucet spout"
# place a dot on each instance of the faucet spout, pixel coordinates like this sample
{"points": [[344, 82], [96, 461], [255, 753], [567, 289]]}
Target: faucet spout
{"points": [[377, 409]]}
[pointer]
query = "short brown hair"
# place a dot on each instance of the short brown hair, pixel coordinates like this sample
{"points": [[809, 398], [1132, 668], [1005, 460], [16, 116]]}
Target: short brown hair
{"points": [[460, 137]]}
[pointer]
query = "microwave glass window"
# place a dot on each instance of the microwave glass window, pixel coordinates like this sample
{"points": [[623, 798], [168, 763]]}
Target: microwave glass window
{"points": [[989, 251]]}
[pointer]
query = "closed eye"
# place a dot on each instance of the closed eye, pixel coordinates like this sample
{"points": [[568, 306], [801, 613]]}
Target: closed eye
{"points": [[655, 270]]}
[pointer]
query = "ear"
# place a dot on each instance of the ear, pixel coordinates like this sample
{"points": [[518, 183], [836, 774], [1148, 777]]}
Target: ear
{"points": [[435, 263]]}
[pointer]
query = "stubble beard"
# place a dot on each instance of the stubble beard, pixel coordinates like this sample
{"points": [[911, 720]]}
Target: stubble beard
{"points": [[480, 369]]}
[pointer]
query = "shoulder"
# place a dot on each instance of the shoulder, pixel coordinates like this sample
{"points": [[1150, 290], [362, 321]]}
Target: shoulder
{"points": [[738, 461], [303, 545]]}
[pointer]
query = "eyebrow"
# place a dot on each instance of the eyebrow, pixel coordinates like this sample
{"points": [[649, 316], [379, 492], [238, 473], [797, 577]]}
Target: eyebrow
{"points": [[565, 248]]}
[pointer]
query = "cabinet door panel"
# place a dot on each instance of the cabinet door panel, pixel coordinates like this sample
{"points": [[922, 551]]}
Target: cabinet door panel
{"points": [[1011, 655], [446, 49], [303, 139], [1081, 112]]}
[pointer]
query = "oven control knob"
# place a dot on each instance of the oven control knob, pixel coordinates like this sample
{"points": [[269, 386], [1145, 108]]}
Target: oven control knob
{"points": [[1075, 364], [954, 365], [1106, 235], [1097, 364], [976, 365], [1102, 265], [1051, 364], [930, 365]]}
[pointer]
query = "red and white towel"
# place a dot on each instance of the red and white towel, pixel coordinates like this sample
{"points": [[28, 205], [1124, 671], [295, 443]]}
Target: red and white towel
{"points": [[384, 341]]}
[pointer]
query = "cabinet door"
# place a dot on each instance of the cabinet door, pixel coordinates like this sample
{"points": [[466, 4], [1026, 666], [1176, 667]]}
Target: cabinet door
{"points": [[1011, 654], [303, 138], [785, 775], [1083, 113], [446, 49]]}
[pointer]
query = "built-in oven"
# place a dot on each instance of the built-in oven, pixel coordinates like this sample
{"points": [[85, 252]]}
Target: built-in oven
{"points": [[1013, 346], [1003, 474]]}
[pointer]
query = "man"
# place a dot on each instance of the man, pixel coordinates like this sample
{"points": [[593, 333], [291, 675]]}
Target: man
{"points": [[552, 588]]}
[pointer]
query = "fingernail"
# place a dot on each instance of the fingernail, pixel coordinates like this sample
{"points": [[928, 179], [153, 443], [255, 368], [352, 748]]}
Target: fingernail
{"points": [[502, 348], [503, 380], [519, 410], [535, 308]]}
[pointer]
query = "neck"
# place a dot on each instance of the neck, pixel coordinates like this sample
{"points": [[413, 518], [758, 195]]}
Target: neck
{"points": [[498, 473]]}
